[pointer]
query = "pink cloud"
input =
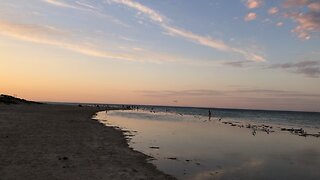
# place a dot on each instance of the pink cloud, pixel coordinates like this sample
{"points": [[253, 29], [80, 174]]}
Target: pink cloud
{"points": [[252, 4], [308, 23], [315, 6], [306, 13], [273, 10], [279, 24], [171, 30], [250, 17], [295, 3]]}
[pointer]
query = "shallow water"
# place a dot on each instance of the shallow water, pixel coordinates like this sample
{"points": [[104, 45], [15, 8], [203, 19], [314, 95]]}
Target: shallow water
{"points": [[192, 147]]}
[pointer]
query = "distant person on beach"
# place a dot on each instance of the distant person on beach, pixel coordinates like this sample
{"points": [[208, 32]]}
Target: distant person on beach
{"points": [[209, 115]]}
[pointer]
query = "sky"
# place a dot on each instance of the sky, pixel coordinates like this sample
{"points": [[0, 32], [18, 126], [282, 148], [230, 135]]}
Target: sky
{"points": [[249, 54]]}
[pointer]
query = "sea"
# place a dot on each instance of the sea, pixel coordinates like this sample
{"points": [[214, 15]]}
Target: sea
{"points": [[188, 143]]}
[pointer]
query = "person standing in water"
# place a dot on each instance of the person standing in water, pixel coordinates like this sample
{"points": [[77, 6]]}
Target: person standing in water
{"points": [[209, 115]]}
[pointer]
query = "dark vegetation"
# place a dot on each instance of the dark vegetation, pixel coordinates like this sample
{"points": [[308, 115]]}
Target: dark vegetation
{"points": [[6, 99]]}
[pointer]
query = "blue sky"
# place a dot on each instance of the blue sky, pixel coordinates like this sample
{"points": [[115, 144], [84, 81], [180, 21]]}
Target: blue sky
{"points": [[195, 53]]}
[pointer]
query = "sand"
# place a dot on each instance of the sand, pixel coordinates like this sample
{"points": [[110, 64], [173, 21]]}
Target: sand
{"points": [[63, 142]]}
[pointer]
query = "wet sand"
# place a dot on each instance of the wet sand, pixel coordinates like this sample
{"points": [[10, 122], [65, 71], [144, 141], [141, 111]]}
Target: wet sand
{"points": [[63, 142]]}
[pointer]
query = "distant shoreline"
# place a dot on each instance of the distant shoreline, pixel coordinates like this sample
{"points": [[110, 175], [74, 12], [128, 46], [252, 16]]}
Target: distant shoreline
{"points": [[14, 100], [63, 142], [171, 106]]}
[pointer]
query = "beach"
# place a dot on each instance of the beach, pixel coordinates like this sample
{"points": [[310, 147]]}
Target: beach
{"points": [[63, 142]]}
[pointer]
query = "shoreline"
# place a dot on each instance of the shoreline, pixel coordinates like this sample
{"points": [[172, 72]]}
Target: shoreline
{"points": [[189, 147], [65, 142]]}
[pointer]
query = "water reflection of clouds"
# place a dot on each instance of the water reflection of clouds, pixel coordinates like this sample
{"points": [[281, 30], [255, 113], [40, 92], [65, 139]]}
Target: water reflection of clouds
{"points": [[307, 157], [217, 151], [231, 172], [303, 164], [158, 116]]}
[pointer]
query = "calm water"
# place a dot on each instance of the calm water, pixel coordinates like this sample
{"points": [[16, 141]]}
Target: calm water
{"points": [[187, 145]]}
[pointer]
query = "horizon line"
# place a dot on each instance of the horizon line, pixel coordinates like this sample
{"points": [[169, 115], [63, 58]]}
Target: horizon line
{"points": [[177, 106]]}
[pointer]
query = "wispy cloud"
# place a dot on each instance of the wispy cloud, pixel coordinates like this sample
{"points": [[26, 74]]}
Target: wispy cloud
{"points": [[152, 14], [233, 93], [171, 93], [207, 41], [127, 39], [61, 4], [86, 7], [161, 20], [58, 38], [75, 5], [236, 63], [308, 68], [295, 3], [51, 36]]}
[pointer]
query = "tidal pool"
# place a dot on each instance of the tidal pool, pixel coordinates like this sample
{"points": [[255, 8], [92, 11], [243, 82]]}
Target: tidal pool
{"points": [[194, 147]]}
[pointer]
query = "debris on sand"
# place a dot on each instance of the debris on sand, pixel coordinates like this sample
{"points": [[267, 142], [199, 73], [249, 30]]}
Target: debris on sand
{"points": [[63, 158], [154, 147]]}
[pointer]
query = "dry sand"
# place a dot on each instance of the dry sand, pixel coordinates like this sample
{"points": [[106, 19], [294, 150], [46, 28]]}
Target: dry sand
{"points": [[40, 142]]}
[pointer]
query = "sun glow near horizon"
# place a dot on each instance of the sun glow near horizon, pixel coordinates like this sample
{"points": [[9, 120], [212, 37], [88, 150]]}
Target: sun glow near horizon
{"points": [[163, 52]]}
